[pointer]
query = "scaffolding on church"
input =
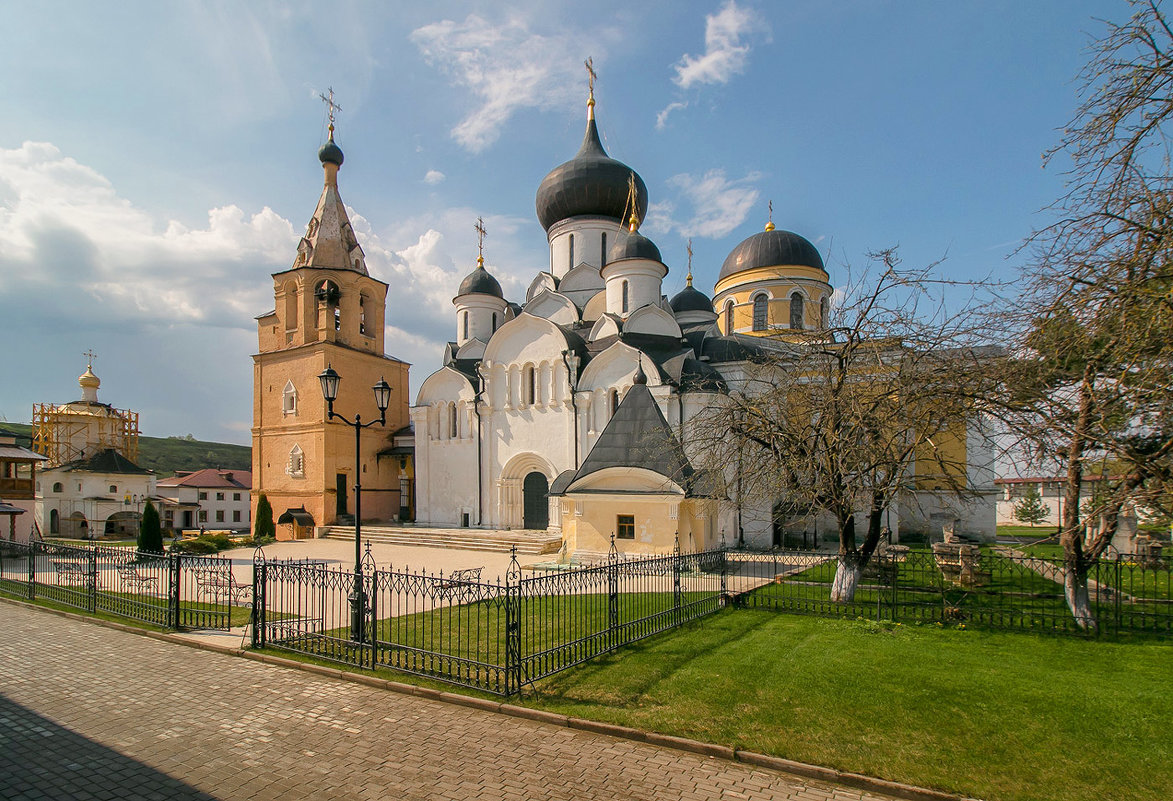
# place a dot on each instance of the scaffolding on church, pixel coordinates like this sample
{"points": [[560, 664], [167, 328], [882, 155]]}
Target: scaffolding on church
{"points": [[63, 433]]}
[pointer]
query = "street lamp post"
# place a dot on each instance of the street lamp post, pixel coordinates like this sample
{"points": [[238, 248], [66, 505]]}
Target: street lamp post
{"points": [[330, 379]]}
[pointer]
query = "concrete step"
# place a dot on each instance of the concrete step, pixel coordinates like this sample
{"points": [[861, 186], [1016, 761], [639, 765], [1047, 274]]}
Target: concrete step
{"points": [[468, 539]]}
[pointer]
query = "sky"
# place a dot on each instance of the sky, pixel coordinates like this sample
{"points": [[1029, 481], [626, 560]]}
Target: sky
{"points": [[158, 161]]}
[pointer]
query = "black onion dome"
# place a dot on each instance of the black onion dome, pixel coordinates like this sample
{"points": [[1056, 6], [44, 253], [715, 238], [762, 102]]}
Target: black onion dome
{"points": [[591, 183], [633, 245], [773, 248], [479, 282], [331, 153], [691, 299]]}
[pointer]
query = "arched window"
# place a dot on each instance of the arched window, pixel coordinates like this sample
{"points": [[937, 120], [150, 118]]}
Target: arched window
{"points": [[54, 521], [464, 325], [823, 309], [295, 467], [289, 399], [613, 401], [570, 266], [530, 387], [728, 317], [760, 320], [603, 257], [452, 421], [290, 306], [494, 321], [362, 314], [58, 487], [625, 298], [337, 318], [796, 311]]}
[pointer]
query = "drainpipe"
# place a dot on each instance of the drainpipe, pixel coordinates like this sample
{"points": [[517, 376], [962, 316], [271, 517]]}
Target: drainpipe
{"points": [[573, 402], [476, 409]]}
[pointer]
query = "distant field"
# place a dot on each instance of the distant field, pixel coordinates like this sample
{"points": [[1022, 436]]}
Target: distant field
{"points": [[166, 455]]}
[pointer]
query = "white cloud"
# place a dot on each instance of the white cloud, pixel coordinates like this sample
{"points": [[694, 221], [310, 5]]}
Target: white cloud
{"points": [[662, 116], [725, 53], [507, 66], [434, 177], [718, 203]]}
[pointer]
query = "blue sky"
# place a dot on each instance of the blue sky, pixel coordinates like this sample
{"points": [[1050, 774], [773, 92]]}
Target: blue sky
{"points": [[158, 160]]}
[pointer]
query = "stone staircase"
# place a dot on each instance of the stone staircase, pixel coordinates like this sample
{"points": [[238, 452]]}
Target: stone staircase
{"points": [[467, 539]]}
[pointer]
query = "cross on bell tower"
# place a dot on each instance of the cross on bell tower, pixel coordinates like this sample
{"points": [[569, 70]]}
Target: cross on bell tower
{"points": [[332, 106], [481, 234]]}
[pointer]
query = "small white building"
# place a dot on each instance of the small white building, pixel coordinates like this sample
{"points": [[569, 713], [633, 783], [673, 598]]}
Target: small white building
{"points": [[97, 496], [211, 498]]}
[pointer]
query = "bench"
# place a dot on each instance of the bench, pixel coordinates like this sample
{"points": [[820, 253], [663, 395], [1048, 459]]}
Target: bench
{"points": [[128, 574], [75, 574], [220, 584], [459, 582]]}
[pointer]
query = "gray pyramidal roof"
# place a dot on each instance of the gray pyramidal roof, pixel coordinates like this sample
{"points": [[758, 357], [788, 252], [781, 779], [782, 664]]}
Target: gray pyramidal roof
{"points": [[105, 461], [638, 436]]}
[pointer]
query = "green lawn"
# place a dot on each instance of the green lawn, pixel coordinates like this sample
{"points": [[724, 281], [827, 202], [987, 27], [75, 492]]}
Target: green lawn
{"points": [[1026, 532], [1003, 716]]}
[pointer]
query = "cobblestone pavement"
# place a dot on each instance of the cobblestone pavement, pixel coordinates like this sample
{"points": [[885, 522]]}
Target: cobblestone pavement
{"points": [[88, 712]]}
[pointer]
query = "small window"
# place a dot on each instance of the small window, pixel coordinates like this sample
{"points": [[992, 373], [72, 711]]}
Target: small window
{"points": [[219, 496], [235, 515], [530, 385], [796, 311], [603, 258], [362, 312], [823, 309], [494, 321], [625, 299], [296, 464], [236, 496], [169, 516], [613, 400], [728, 317], [58, 487], [760, 306], [203, 496], [571, 259], [337, 318], [452, 420], [113, 488], [625, 527], [464, 325], [219, 515], [289, 399], [203, 516]]}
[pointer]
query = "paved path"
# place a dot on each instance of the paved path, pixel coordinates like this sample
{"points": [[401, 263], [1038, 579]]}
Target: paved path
{"points": [[88, 712]]}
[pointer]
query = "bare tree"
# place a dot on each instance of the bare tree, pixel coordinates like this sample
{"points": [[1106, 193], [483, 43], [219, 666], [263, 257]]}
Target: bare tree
{"points": [[1091, 382], [849, 419]]}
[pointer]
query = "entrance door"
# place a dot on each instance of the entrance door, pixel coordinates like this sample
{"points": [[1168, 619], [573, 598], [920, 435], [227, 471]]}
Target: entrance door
{"points": [[536, 513], [340, 501], [187, 520]]}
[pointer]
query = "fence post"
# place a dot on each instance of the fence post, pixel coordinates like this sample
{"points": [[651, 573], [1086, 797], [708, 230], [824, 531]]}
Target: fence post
{"points": [[175, 573], [93, 578], [722, 562], [1119, 588], [513, 625], [32, 569], [258, 613], [676, 578], [373, 608], [612, 596]]}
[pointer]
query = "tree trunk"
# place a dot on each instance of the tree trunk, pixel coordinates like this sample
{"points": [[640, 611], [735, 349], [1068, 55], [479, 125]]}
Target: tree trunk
{"points": [[1075, 592], [847, 575]]}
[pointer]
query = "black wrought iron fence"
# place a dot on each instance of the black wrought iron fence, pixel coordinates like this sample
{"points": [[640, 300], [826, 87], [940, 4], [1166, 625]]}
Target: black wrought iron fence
{"points": [[988, 587], [494, 635], [170, 590]]}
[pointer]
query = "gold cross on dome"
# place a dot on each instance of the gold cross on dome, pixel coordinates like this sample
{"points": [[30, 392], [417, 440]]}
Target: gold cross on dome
{"points": [[591, 76], [481, 234], [90, 356], [632, 201], [329, 101], [690, 261]]}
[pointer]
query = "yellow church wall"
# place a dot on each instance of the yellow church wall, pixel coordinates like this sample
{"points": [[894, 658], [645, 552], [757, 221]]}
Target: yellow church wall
{"points": [[655, 528], [941, 462], [777, 308]]}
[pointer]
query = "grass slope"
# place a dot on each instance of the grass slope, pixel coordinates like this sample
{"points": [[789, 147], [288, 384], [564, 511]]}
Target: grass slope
{"points": [[1005, 717], [166, 455]]}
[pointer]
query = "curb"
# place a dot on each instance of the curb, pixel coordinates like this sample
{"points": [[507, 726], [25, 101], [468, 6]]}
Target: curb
{"points": [[711, 750]]}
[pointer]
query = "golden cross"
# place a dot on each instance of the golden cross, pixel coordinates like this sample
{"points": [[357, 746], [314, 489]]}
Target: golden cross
{"points": [[771, 206], [90, 356], [591, 76], [632, 199], [481, 234], [329, 101], [690, 261]]}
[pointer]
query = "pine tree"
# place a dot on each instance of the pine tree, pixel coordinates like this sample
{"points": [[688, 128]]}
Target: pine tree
{"points": [[1031, 509], [263, 527], [150, 533]]}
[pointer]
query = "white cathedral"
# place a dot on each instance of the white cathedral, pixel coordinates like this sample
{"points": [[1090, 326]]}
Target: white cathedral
{"points": [[570, 413]]}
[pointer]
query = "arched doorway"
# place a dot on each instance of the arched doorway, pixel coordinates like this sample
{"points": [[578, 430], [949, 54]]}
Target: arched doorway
{"points": [[535, 506], [54, 522]]}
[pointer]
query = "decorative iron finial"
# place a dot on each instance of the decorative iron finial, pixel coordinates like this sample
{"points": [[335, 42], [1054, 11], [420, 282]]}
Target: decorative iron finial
{"points": [[481, 234], [689, 277], [633, 201], [90, 356], [329, 101], [770, 222], [591, 76]]}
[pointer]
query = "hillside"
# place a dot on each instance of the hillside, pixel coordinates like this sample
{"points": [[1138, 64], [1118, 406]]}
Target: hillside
{"points": [[166, 455]]}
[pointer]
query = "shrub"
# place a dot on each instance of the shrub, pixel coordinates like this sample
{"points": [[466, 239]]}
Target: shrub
{"points": [[150, 533], [263, 527]]}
